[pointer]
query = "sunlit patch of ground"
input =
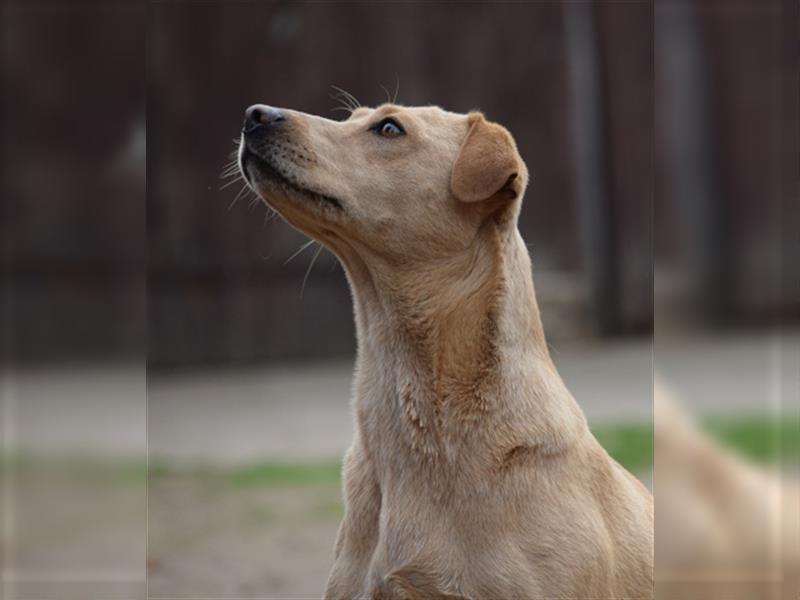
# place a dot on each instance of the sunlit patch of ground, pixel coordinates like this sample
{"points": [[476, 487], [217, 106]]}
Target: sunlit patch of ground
{"points": [[212, 535]]}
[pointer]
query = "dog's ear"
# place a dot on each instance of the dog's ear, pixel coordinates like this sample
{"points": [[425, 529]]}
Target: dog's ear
{"points": [[488, 164]]}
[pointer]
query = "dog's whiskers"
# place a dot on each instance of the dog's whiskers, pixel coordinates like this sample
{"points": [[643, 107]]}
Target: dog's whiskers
{"points": [[231, 182], [229, 168], [352, 102], [334, 264], [269, 215], [299, 250], [349, 99], [308, 270], [388, 95], [344, 104], [242, 193], [347, 109]]}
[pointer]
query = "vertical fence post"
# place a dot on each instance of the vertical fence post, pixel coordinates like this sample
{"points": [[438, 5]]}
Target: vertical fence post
{"points": [[591, 165], [682, 112]]}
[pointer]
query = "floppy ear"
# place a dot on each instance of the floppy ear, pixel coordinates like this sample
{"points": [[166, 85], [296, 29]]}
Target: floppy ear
{"points": [[487, 164]]}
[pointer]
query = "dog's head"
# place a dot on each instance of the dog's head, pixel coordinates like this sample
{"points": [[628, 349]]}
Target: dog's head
{"points": [[400, 182]]}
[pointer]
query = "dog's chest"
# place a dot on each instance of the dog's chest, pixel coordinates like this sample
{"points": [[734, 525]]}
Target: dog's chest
{"points": [[471, 550]]}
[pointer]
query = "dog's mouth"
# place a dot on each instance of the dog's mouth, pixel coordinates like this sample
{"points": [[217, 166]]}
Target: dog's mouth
{"points": [[249, 160]]}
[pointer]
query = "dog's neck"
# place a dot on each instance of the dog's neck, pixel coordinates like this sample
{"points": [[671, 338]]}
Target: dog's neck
{"points": [[456, 345]]}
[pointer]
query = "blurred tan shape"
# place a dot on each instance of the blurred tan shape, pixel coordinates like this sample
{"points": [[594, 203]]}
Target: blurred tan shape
{"points": [[725, 529]]}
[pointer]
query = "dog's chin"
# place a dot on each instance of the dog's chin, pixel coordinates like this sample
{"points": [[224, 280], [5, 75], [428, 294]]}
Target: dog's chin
{"points": [[276, 189]]}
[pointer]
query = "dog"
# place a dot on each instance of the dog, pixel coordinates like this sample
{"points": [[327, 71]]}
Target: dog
{"points": [[472, 473]]}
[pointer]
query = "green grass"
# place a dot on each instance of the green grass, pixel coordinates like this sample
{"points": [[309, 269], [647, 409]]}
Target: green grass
{"points": [[631, 445], [284, 473], [760, 438]]}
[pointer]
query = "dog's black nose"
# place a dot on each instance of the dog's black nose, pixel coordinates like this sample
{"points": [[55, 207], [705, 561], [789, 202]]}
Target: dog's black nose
{"points": [[261, 115]]}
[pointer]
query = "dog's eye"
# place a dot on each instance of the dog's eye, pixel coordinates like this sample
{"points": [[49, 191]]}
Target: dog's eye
{"points": [[388, 128]]}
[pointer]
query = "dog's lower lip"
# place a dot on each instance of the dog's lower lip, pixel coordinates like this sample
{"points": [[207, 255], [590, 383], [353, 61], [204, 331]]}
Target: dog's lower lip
{"points": [[268, 170]]}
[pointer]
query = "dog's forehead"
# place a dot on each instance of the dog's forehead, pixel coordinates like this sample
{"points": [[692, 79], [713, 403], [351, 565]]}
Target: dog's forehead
{"points": [[429, 115], [433, 115]]}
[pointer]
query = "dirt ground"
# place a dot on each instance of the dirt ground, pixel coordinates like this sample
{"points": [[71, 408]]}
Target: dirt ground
{"points": [[84, 533], [213, 540], [73, 532]]}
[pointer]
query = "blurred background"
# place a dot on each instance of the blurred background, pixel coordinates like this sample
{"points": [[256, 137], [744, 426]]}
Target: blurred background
{"points": [[157, 329], [726, 344], [73, 299]]}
